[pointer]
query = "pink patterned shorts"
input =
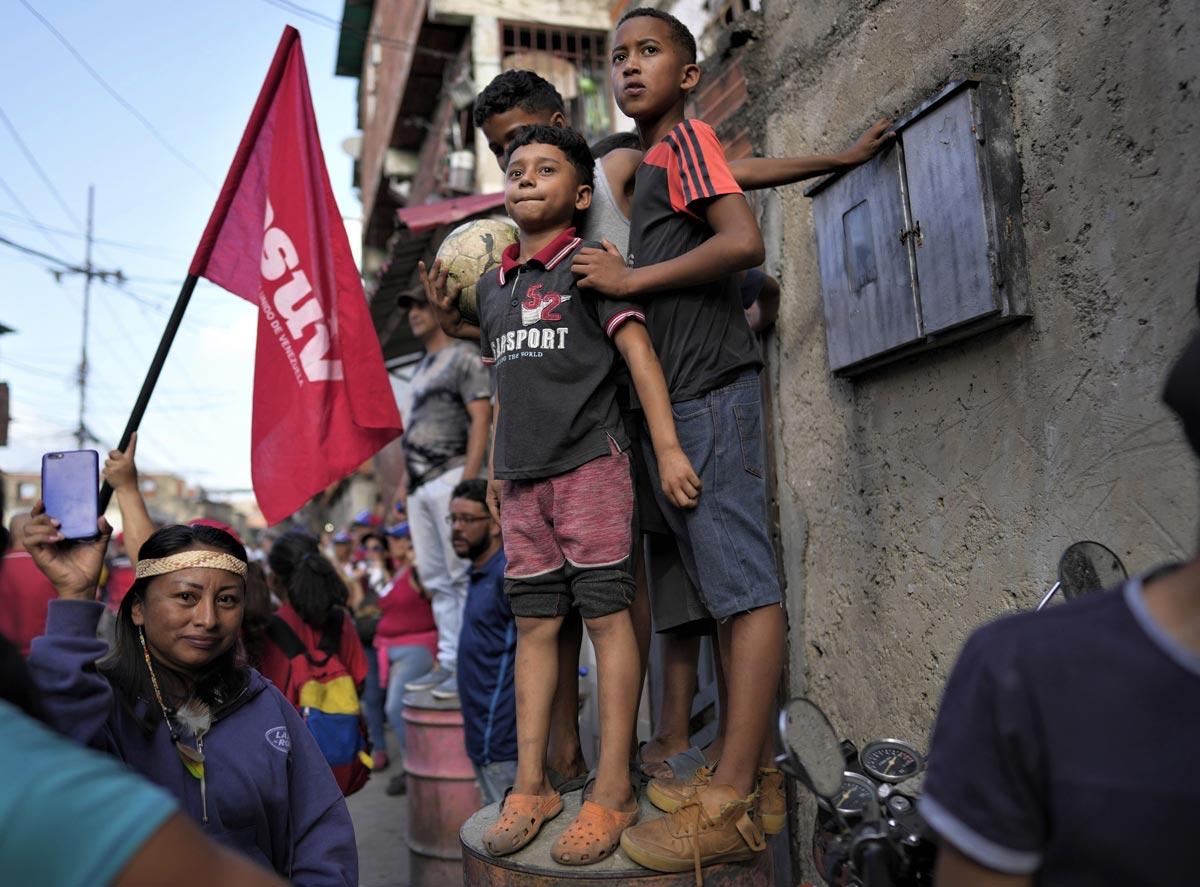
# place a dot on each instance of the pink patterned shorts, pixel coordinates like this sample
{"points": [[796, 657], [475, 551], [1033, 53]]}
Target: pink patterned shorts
{"points": [[568, 540]]}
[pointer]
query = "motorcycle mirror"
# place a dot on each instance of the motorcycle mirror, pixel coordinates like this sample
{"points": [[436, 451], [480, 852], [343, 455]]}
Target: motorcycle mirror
{"points": [[1088, 566], [812, 753]]}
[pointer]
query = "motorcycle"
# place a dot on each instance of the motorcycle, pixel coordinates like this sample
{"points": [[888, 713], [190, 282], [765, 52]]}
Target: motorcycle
{"points": [[868, 831]]}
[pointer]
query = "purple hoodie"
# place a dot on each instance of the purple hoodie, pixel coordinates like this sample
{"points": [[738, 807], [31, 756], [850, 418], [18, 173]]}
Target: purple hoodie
{"points": [[270, 793]]}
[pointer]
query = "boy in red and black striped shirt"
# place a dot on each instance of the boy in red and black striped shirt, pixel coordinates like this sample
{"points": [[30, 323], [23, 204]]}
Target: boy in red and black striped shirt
{"points": [[691, 231]]}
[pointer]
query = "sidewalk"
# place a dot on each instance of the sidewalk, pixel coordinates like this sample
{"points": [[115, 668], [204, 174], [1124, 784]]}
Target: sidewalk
{"points": [[380, 826]]}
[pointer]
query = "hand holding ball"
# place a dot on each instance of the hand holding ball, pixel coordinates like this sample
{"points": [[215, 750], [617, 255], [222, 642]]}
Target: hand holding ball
{"points": [[470, 251]]}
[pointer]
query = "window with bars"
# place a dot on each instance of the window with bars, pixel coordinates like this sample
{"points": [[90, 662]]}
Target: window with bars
{"points": [[574, 60]]}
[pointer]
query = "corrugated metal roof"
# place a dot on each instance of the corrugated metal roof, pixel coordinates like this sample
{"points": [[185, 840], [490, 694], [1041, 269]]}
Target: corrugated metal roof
{"points": [[445, 212]]}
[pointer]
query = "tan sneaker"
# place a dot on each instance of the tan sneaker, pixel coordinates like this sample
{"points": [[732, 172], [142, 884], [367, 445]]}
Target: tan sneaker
{"points": [[772, 800], [714, 825], [668, 794]]}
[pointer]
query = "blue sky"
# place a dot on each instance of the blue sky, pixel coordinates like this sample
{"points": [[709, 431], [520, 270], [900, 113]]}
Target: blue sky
{"points": [[193, 70]]}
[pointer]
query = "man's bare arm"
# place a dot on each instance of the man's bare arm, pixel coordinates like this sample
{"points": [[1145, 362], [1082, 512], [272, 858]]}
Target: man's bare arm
{"points": [[180, 854], [956, 870], [480, 412]]}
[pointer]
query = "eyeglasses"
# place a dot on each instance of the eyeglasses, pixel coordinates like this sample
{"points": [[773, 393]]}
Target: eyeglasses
{"points": [[452, 519], [374, 548]]}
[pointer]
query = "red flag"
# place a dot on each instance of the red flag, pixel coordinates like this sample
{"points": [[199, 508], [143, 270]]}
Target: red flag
{"points": [[323, 403]]}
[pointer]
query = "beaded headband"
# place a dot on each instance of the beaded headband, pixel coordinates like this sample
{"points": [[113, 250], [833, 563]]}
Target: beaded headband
{"points": [[216, 560]]}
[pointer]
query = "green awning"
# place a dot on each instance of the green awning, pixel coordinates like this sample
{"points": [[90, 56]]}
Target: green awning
{"points": [[356, 24]]}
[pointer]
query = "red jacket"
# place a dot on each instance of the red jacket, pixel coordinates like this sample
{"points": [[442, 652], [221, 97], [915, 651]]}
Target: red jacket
{"points": [[24, 594]]}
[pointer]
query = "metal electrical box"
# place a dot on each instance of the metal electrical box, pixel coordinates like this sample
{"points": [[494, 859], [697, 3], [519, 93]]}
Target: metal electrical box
{"points": [[923, 245]]}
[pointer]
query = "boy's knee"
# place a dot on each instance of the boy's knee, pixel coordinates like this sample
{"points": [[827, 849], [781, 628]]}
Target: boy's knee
{"points": [[538, 628], [602, 627]]}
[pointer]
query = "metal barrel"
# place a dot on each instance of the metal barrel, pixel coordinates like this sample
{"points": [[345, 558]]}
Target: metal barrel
{"points": [[442, 793]]}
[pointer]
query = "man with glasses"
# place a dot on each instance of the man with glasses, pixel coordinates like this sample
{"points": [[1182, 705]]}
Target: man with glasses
{"points": [[487, 647]]}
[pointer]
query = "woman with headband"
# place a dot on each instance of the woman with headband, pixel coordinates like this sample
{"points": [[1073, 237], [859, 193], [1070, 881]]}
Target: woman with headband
{"points": [[174, 701]]}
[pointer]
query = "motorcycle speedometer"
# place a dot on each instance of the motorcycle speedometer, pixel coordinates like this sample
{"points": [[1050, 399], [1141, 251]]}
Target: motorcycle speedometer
{"points": [[891, 760], [856, 795]]}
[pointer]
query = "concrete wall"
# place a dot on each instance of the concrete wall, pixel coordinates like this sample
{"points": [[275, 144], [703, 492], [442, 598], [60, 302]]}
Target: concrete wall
{"points": [[938, 493]]}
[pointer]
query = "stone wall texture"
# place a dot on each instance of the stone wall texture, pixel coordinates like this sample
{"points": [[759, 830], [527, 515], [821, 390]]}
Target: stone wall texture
{"points": [[931, 496]]}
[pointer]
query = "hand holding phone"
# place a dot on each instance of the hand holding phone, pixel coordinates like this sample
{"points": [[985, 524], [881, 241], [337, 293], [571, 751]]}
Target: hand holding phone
{"points": [[74, 570], [70, 490]]}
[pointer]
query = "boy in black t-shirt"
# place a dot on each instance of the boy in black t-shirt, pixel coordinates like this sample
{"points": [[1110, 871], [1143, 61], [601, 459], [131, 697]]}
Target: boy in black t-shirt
{"points": [[560, 483], [691, 229]]}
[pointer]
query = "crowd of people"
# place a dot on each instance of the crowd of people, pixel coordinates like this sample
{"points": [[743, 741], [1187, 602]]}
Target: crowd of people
{"points": [[587, 453]]}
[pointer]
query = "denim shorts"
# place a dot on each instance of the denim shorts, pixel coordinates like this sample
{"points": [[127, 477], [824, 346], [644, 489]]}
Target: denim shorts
{"points": [[723, 540]]}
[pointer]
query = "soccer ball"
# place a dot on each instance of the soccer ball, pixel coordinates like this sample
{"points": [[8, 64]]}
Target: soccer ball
{"points": [[470, 251]]}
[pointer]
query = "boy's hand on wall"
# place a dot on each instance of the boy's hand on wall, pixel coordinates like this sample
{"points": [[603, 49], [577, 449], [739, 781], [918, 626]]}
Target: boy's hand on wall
{"points": [[603, 270], [869, 143], [679, 481]]}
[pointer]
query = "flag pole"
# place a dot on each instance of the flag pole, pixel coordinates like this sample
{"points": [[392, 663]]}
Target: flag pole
{"points": [[156, 365]]}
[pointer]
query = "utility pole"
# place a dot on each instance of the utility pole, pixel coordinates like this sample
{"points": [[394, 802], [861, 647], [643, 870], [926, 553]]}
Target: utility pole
{"points": [[82, 434]]}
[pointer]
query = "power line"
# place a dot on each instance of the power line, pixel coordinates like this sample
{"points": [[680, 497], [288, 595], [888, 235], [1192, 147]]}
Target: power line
{"points": [[29, 368], [326, 21], [155, 281], [37, 167], [116, 279], [145, 248], [67, 266], [141, 118], [27, 214], [24, 258]]}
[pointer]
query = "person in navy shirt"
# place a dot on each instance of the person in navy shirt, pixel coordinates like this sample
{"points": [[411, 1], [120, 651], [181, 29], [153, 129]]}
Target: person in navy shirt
{"points": [[487, 645], [1061, 751]]}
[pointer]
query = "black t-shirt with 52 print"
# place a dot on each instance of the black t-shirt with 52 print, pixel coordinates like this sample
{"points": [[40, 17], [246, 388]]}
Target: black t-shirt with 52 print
{"points": [[552, 349]]}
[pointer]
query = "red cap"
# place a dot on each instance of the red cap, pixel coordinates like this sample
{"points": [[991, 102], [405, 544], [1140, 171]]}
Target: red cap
{"points": [[216, 525]]}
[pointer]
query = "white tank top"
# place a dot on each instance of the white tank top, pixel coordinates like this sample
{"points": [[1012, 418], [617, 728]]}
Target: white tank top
{"points": [[604, 219]]}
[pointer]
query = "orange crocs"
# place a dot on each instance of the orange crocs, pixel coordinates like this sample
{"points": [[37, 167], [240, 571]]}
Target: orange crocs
{"points": [[593, 836], [521, 817]]}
